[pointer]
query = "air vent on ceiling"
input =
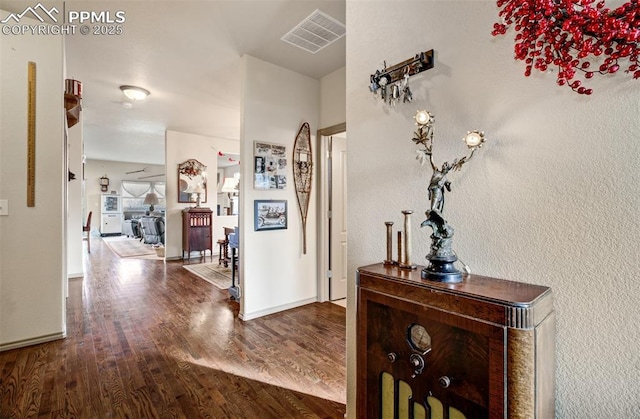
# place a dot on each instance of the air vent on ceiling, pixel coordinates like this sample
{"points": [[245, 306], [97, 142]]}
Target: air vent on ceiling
{"points": [[315, 32]]}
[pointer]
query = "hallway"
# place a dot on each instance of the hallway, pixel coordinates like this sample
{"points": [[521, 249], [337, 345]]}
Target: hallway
{"points": [[147, 339]]}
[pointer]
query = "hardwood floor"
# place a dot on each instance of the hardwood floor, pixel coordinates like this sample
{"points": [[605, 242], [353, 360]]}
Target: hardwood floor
{"points": [[147, 339]]}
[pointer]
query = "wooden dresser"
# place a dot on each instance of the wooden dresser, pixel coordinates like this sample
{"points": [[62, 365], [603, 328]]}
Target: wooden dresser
{"points": [[483, 348], [197, 224]]}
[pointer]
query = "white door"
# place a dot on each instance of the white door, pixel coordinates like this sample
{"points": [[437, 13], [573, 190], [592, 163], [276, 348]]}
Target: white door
{"points": [[338, 221]]}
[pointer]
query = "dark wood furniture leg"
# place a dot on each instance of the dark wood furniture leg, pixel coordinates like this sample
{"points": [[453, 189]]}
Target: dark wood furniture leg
{"points": [[221, 246], [233, 266]]}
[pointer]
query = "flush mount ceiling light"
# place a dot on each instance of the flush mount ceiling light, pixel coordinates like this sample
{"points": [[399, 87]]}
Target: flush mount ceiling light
{"points": [[134, 92]]}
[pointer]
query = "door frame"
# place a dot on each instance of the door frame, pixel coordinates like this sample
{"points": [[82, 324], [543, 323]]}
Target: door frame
{"points": [[322, 144]]}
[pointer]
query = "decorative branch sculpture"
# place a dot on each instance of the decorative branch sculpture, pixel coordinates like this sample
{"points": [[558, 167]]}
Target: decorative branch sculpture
{"points": [[573, 35]]}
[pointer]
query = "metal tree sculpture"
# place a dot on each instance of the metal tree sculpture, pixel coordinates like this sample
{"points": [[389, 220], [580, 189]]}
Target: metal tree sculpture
{"points": [[441, 257]]}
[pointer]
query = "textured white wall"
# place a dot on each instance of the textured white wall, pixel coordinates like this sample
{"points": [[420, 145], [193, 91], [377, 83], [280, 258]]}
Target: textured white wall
{"points": [[32, 294], [551, 200], [276, 102], [332, 98]]}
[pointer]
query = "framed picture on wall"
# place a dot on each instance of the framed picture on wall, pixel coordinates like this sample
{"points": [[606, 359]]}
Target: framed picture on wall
{"points": [[270, 214], [192, 182], [270, 166]]}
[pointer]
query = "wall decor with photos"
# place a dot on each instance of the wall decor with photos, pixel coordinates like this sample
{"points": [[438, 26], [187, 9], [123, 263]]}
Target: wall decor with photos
{"points": [[192, 181], [270, 214], [270, 166]]}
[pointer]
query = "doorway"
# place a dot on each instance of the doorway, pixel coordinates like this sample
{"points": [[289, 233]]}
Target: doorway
{"points": [[332, 282]]}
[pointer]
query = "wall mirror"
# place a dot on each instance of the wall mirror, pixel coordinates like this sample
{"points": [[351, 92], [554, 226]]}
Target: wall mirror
{"points": [[228, 183], [192, 182]]}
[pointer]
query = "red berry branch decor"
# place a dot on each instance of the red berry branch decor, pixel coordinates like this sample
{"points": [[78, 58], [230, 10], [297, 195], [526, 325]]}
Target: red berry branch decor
{"points": [[580, 37]]}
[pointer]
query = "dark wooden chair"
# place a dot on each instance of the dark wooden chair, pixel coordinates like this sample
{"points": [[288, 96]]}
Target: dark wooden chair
{"points": [[87, 229]]}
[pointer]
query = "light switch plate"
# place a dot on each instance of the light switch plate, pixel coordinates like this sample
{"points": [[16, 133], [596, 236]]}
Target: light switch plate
{"points": [[4, 207]]}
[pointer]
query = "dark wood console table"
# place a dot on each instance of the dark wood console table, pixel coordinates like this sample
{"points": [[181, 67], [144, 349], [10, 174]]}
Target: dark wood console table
{"points": [[483, 348], [197, 230]]}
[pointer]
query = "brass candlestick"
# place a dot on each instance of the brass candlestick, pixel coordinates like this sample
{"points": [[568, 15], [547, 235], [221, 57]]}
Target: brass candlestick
{"points": [[389, 259], [406, 260]]}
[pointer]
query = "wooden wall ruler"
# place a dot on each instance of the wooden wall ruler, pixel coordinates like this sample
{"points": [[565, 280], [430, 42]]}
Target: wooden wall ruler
{"points": [[31, 135]]}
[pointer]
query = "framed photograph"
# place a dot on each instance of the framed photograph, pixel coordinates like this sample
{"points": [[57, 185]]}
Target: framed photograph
{"points": [[270, 166], [270, 214]]}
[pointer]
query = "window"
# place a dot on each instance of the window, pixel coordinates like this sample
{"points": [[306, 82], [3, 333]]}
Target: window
{"points": [[133, 194]]}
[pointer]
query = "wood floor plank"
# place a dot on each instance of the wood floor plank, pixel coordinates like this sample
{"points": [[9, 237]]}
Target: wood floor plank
{"points": [[147, 339]]}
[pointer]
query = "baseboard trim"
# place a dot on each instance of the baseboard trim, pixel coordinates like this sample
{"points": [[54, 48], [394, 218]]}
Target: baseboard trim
{"points": [[75, 275], [277, 309], [33, 341]]}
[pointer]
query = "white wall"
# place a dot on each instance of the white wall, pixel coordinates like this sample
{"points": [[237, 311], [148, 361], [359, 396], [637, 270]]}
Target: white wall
{"points": [[32, 294], [116, 172], [180, 147], [75, 219], [552, 199], [276, 102], [333, 101]]}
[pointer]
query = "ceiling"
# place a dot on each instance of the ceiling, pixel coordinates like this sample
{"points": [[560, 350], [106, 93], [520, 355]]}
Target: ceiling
{"points": [[188, 55]]}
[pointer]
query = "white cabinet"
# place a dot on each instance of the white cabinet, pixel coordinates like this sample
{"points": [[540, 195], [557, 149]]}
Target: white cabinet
{"points": [[111, 214], [111, 224]]}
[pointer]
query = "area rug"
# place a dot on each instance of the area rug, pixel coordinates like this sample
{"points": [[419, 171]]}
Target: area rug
{"points": [[213, 273], [128, 247]]}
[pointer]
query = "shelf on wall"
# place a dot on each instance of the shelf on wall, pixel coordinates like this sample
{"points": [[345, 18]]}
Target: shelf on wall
{"points": [[73, 108], [421, 62]]}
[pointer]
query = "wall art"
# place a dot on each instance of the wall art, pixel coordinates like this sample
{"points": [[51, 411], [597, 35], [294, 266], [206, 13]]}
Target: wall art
{"points": [[580, 38], [270, 166], [302, 176], [270, 214], [192, 181]]}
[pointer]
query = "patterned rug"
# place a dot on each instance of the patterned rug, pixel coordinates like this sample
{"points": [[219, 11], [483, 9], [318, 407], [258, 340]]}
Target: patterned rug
{"points": [[213, 273], [128, 247]]}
